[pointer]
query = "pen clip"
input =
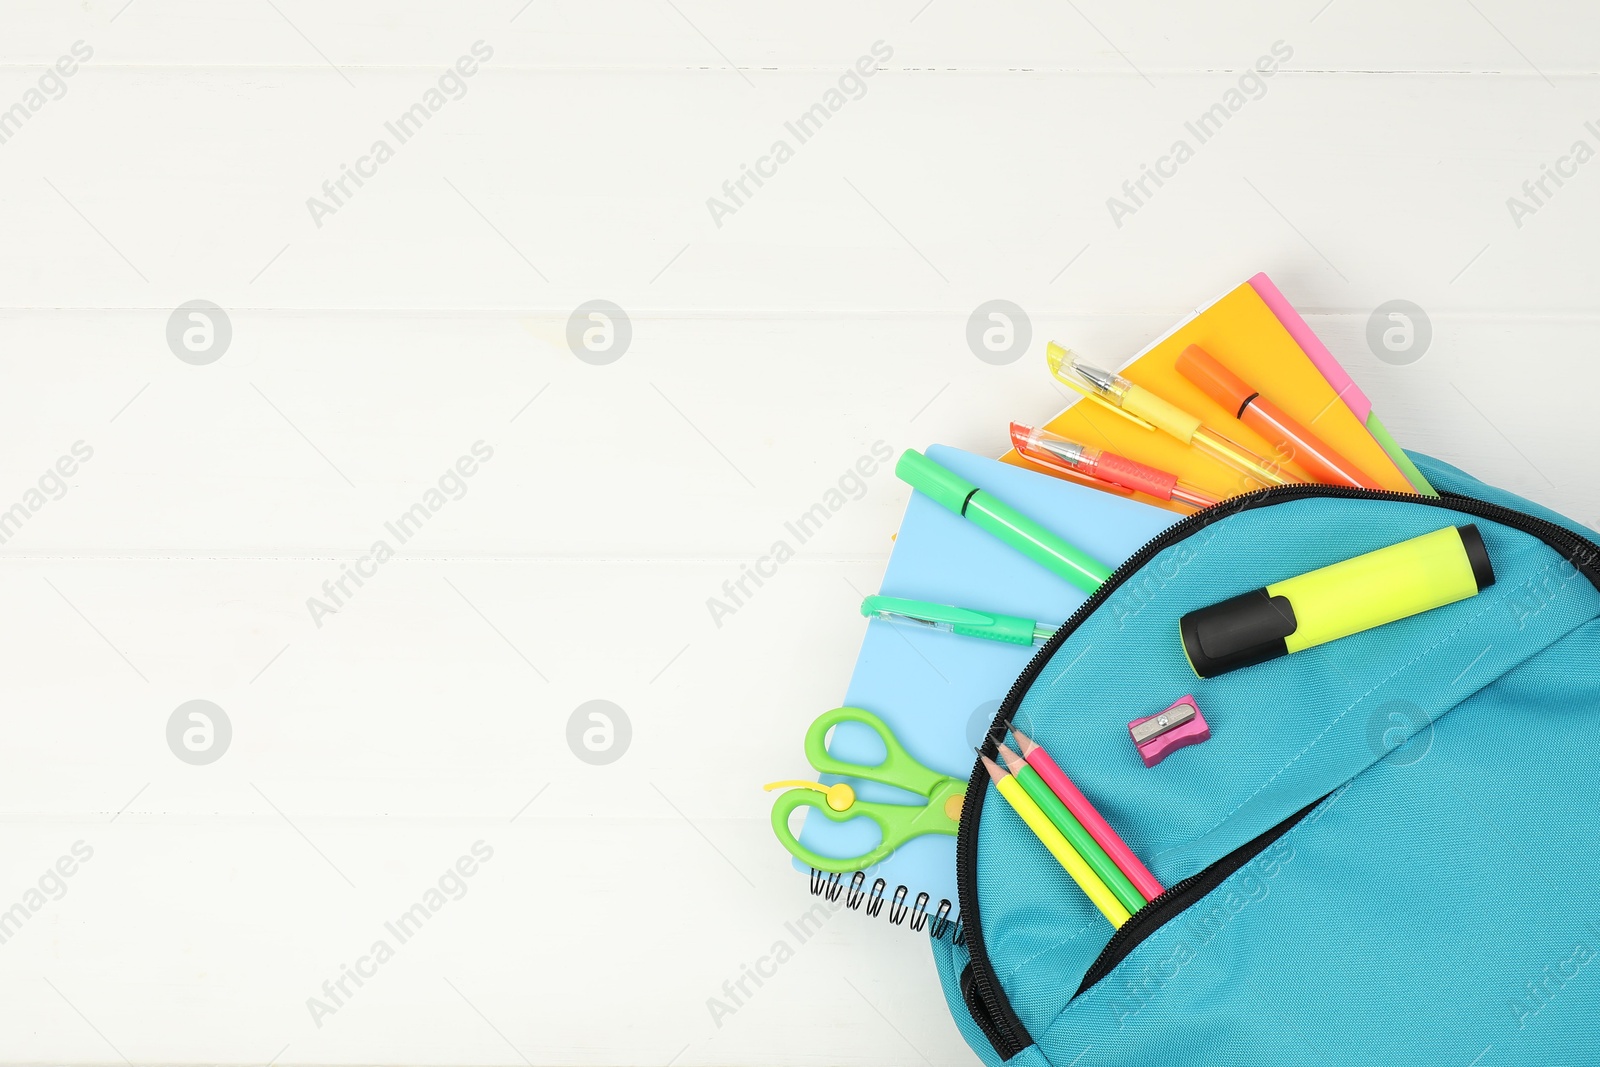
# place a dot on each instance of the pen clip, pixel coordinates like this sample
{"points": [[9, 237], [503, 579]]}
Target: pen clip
{"points": [[1088, 392]]}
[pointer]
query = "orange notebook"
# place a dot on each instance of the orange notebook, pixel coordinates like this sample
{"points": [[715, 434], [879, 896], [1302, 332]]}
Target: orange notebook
{"points": [[1242, 332]]}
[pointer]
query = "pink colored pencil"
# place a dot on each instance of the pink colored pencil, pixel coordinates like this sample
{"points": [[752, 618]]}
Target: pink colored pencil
{"points": [[1078, 804]]}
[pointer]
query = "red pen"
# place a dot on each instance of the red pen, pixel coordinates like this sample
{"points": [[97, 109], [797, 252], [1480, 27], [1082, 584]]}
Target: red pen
{"points": [[1294, 441], [1076, 460]]}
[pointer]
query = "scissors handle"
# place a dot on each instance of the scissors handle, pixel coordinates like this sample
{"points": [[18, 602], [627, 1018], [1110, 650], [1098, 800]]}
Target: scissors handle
{"points": [[897, 823], [938, 812], [898, 768]]}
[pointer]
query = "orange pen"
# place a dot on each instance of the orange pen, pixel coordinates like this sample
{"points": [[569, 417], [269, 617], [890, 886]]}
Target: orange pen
{"points": [[1293, 441]]}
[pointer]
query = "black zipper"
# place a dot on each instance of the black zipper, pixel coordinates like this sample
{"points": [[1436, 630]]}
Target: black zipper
{"points": [[999, 1023], [1178, 897], [978, 1009]]}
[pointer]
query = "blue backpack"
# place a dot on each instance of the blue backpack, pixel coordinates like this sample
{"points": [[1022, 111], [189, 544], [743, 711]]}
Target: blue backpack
{"points": [[1386, 852]]}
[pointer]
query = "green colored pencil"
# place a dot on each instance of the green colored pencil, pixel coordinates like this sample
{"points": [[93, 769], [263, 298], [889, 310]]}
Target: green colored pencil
{"points": [[1073, 831]]}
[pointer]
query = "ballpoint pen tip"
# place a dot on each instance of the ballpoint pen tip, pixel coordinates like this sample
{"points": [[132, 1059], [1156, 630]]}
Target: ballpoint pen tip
{"points": [[1101, 379]]}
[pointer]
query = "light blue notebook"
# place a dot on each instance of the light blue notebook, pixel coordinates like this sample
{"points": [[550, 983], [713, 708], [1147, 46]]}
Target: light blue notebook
{"points": [[938, 692]]}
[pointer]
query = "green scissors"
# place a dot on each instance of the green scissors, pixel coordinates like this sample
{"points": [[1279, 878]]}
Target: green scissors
{"points": [[897, 823]]}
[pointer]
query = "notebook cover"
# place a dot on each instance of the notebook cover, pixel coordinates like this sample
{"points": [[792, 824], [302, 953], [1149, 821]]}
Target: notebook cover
{"points": [[1349, 392], [938, 692], [1241, 331]]}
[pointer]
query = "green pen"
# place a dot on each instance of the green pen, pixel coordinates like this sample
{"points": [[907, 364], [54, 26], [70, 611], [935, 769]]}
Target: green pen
{"points": [[1001, 519], [967, 623]]}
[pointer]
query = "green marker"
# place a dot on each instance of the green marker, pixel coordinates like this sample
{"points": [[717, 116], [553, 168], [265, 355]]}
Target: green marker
{"points": [[962, 621], [1001, 520]]}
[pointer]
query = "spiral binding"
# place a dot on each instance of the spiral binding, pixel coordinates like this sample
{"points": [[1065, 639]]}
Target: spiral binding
{"points": [[829, 886]]}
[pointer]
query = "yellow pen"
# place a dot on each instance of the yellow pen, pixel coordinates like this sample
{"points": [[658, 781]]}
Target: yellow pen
{"points": [[1059, 846], [1151, 411]]}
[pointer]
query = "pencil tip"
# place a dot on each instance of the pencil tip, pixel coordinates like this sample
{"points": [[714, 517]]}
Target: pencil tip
{"points": [[994, 769], [1024, 742], [1013, 760]]}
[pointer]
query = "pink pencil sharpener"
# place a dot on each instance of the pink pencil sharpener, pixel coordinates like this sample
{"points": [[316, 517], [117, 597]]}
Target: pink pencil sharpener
{"points": [[1160, 735]]}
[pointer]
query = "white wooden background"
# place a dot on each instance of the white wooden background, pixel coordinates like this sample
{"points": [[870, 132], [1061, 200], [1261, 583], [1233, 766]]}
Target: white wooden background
{"points": [[768, 354]]}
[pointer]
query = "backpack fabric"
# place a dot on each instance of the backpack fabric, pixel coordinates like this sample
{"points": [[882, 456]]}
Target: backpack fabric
{"points": [[1386, 852]]}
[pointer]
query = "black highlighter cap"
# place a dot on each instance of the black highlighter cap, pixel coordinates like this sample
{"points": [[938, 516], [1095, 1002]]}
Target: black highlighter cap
{"points": [[1477, 555], [1238, 632]]}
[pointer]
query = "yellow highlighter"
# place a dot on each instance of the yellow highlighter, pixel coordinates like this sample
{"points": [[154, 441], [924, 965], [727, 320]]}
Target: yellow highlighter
{"points": [[1336, 601], [1059, 846]]}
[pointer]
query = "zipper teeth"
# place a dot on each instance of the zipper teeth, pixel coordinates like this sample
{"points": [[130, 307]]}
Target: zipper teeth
{"points": [[1140, 917], [1148, 919], [966, 840], [976, 1008]]}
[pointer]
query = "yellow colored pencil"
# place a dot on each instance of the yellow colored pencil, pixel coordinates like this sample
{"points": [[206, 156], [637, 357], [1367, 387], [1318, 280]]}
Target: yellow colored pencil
{"points": [[1059, 846]]}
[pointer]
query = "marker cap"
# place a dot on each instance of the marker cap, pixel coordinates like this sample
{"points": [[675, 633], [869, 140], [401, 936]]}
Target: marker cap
{"points": [[1477, 555], [943, 485], [1241, 631], [1226, 388]]}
